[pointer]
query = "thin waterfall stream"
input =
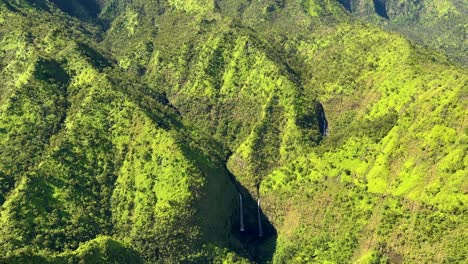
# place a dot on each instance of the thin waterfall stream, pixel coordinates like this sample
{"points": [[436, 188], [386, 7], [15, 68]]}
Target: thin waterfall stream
{"points": [[322, 120], [325, 125], [260, 229], [241, 213]]}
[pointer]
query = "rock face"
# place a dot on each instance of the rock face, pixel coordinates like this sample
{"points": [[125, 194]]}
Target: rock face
{"points": [[153, 131]]}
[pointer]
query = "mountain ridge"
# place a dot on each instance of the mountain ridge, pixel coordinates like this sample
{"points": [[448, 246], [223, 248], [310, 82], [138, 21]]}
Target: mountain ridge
{"points": [[137, 135]]}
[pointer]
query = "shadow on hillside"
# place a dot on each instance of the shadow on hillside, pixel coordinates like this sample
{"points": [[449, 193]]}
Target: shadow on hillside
{"points": [[381, 8], [80, 8], [346, 4]]}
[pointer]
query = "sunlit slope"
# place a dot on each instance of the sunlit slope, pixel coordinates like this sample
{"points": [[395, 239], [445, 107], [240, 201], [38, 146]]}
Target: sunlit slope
{"points": [[126, 129], [397, 127], [390, 180], [89, 151], [438, 24]]}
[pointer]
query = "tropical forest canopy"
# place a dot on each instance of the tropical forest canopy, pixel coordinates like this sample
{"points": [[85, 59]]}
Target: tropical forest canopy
{"points": [[151, 131]]}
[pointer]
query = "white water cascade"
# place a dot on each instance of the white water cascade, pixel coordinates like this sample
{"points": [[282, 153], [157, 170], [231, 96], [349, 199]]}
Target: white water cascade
{"points": [[260, 230], [241, 214], [325, 125]]}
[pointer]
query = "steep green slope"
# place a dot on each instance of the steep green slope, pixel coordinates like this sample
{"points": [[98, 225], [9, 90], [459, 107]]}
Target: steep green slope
{"points": [[131, 144], [75, 133], [438, 24], [382, 173], [373, 85]]}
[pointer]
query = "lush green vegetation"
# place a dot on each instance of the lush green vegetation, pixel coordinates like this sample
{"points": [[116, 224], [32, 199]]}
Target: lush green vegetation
{"points": [[128, 127], [438, 24]]}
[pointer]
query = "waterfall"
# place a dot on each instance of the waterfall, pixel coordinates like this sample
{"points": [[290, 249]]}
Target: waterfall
{"points": [[260, 230], [241, 214], [325, 124]]}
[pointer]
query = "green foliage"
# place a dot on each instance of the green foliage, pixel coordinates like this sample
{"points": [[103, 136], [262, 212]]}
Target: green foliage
{"points": [[437, 24], [105, 250], [118, 127]]}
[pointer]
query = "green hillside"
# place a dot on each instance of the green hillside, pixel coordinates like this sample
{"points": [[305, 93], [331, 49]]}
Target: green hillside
{"points": [[130, 132], [437, 24]]}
